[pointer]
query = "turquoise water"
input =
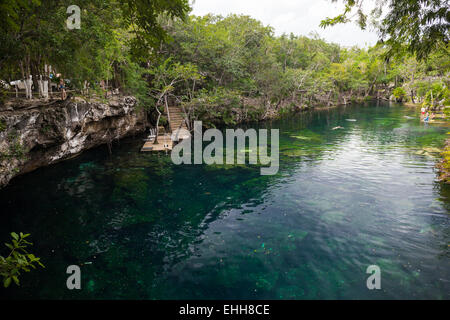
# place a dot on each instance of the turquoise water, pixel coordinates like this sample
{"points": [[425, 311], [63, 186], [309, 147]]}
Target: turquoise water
{"points": [[142, 228]]}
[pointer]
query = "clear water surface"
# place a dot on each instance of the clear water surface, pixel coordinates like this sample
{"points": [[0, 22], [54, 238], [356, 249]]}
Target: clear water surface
{"points": [[143, 228]]}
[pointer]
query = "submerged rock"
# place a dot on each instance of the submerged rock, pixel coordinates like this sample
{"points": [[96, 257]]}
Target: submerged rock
{"points": [[432, 150]]}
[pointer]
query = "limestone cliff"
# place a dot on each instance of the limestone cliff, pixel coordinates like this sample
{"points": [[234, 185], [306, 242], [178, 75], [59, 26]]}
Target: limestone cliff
{"points": [[39, 135]]}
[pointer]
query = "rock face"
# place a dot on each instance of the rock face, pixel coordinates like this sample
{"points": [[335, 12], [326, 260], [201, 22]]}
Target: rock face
{"points": [[38, 136]]}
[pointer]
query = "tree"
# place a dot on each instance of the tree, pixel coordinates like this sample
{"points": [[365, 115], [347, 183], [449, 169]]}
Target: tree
{"points": [[33, 34], [421, 25], [399, 94], [409, 70], [141, 16], [166, 77]]}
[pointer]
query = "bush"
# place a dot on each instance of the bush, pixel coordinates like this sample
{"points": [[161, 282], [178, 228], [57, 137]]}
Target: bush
{"points": [[16, 149], [438, 95], [422, 87], [3, 95], [135, 84], [2, 125], [215, 107], [399, 94], [17, 260]]}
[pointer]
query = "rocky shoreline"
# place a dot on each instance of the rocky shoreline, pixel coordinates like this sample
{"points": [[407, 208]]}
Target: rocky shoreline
{"points": [[444, 165], [33, 136]]}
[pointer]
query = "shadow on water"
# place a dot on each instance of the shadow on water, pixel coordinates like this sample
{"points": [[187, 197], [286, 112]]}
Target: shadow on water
{"points": [[141, 227]]}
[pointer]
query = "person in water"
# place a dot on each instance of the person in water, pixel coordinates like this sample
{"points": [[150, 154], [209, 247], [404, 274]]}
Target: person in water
{"points": [[427, 117], [423, 111]]}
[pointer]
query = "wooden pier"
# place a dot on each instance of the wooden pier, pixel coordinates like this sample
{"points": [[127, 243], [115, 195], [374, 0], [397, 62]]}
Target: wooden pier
{"points": [[165, 143]]}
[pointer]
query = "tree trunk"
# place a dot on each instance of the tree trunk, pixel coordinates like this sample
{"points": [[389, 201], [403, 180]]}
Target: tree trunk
{"points": [[157, 124], [412, 90], [40, 87], [412, 96]]}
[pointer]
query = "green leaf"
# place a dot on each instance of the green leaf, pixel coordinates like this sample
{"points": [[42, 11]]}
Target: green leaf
{"points": [[6, 282], [15, 235]]}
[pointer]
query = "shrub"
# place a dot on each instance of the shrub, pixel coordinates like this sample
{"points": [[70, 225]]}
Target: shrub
{"points": [[2, 125], [17, 260], [399, 94], [439, 94], [215, 107]]}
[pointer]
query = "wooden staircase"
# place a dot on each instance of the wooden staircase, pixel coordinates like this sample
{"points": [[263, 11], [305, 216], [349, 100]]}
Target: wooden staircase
{"points": [[175, 116], [176, 119]]}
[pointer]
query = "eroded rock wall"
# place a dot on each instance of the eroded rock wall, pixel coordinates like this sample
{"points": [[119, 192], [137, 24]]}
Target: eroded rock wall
{"points": [[44, 134]]}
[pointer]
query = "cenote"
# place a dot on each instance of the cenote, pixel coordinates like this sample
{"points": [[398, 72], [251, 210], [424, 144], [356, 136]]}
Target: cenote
{"points": [[141, 227]]}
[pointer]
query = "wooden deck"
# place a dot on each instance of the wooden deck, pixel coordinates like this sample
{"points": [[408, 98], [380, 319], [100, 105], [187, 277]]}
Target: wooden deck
{"points": [[164, 144]]}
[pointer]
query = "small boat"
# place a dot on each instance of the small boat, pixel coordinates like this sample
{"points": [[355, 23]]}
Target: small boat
{"points": [[351, 120]]}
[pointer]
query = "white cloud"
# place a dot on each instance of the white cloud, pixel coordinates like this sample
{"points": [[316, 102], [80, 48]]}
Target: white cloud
{"points": [[300, 17]]}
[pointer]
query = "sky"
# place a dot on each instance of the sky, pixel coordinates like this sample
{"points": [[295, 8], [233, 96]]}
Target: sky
{"points": [[300, 17]]}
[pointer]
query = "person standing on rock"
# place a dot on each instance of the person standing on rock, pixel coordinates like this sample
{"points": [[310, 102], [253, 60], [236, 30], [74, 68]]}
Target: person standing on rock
{"points": [[62, 88], [104, 88]]}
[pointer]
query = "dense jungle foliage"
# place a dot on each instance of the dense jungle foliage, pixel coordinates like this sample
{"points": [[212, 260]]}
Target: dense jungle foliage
{"points": [[221, 69]]}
